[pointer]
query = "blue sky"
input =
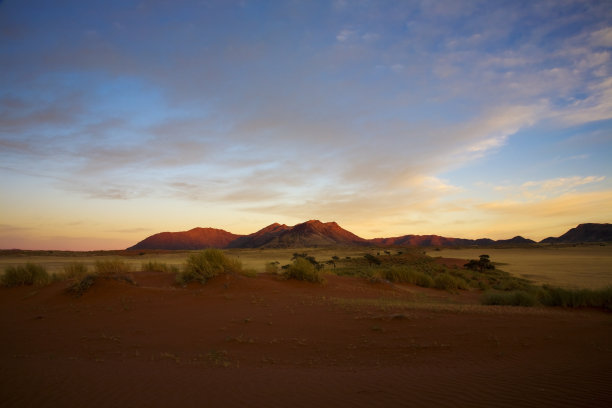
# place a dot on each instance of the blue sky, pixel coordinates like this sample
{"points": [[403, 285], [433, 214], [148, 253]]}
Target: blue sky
{"points": [[119, 119]]}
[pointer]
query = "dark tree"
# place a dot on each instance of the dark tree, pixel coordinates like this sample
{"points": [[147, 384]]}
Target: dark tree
{"points": [[372, 259]]}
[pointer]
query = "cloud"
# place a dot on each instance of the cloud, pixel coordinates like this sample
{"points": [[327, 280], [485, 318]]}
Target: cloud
{"points": [[602, 38], [579, 206], [597, 106], [346, 35], [562, 183]]}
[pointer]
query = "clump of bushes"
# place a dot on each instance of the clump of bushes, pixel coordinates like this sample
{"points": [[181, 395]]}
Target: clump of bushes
{"points": [[207, 264], [303, 269], [114, 269], [25, 275]]}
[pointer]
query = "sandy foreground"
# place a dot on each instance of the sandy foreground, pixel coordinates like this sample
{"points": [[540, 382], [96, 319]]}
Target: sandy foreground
{"points": [[267, 342]]}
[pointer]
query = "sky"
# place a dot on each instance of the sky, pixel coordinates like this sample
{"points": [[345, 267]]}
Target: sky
{"points": [[472, 119]]}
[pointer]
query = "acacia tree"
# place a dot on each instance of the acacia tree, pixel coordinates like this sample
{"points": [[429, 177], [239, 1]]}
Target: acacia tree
{"points": [[480, 265]]}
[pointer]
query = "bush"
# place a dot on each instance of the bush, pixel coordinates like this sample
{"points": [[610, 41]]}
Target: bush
{"points": [[75, 270], [22, 275], [207, 264], [112, 267], [513, 298], [302, 269]]}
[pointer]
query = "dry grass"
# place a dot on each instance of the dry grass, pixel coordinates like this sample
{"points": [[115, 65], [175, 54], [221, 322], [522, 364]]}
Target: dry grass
{"points": [[586, 267]]}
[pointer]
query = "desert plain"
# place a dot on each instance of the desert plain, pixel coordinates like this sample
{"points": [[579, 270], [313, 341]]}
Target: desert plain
{"points": [[259, 340]]}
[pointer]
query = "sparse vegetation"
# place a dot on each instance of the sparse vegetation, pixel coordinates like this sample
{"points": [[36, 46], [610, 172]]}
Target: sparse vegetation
{"points": [[75, 270], [272, 267], [25, 275], [153, 266], [512, 298], [111, 267], [552, 296], [446, 281], [406, 274], [207, 264], [303, 269], [81, 285]]}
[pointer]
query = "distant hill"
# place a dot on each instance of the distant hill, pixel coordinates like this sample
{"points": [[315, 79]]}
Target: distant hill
{"points": [[311, 233], [197, 238], [584, 233], [516, 240], [315, 233]]}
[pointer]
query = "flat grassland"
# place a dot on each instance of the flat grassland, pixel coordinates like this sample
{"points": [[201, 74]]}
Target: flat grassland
{"points": [[265, 341], [585, 266]]}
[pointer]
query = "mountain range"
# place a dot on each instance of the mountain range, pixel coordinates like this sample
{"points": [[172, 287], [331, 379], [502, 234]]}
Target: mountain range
{"points": [[315, 233]]}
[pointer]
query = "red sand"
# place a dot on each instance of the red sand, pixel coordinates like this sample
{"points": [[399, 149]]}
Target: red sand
{"points": [[241, 341]]}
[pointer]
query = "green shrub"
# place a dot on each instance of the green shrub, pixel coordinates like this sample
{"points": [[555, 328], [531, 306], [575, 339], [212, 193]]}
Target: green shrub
{"points": [[75, 270], [112, 267], [512, 298], [302, 269], [25, 275], [207, 264]]}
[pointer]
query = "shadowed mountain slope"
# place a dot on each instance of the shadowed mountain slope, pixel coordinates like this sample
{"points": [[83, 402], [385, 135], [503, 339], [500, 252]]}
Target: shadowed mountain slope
{"points": [[584, 233], [260, 238]]}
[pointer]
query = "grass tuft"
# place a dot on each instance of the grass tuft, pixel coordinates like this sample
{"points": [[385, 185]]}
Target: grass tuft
{"points": [[112, 267], [75, 270], [25, 275], [153, 266], [207, 264], [406, 274]]}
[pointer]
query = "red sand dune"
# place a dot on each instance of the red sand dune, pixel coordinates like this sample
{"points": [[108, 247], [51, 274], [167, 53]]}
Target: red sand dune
{"points": [[266, 342]]}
